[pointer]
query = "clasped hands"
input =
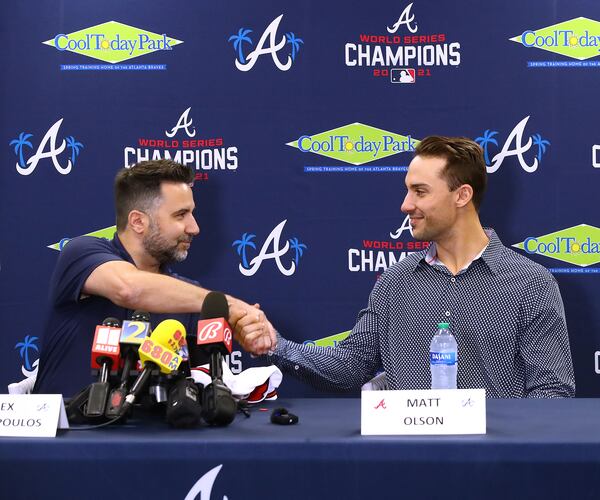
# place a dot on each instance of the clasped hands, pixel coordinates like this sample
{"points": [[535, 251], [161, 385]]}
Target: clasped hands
{"points": [[251, 328]]}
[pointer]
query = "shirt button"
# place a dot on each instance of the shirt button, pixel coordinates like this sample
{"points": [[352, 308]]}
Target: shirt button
{"points": [[447, 313], [296, 367], [453, 279]]}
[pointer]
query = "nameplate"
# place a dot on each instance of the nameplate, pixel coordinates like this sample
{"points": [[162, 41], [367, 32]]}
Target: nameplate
{"points": [[449, 411], [32, 415]]}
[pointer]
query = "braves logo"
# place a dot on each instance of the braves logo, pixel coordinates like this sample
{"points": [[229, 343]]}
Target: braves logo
{"points": [[381, 404], [185, 123], [405, 18]]}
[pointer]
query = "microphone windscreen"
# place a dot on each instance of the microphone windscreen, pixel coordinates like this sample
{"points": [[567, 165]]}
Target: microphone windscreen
{"points": [[169, 333], [215, 306], [114, 322], [140, 316], [163, 345]]}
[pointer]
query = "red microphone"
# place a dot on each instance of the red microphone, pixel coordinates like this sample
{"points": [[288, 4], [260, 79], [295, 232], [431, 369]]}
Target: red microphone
{"points": [[214, 337], [105, 348], [105, 356], [214, 333]]}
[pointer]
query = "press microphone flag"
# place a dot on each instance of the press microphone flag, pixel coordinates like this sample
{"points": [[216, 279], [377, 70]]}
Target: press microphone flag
{"points": [[133, 333], [105, 355], [106, 344], [214, 335], [159, 351], [163, 345]]}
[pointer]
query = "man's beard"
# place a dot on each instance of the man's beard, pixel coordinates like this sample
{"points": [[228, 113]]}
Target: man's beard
{"points": [[161, 249]]}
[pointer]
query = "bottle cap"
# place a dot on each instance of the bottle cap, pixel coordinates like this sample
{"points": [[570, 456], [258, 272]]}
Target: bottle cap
{"points": [[444, 326]]}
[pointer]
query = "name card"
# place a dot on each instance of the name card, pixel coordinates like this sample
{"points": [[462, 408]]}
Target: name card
{"points": [[448, 411], [32, 415]]}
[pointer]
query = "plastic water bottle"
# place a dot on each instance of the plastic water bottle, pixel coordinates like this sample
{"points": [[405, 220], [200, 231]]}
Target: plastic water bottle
{"points": [[443, 358]]}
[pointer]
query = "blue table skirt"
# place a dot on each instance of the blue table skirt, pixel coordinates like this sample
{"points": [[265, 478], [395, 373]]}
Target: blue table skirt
{"points": [[533, 449]]}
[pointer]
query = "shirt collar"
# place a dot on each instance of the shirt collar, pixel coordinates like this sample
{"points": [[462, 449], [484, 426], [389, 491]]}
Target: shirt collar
{"points": [[490, 255], [122, 251]]}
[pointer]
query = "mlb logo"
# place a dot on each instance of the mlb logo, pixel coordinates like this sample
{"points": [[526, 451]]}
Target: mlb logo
{"points": [[403, 75]]}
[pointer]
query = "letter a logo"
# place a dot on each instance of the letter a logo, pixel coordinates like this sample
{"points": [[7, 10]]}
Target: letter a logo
{"points": [[404, 227], [405, 18], [272, 240], [517, 136], [381, 404], [53, 152], [183, 123], [273, 47]]}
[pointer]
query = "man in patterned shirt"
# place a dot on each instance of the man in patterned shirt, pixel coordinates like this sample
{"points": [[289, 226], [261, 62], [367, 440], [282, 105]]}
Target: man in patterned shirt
{"points": [[505, 311]]}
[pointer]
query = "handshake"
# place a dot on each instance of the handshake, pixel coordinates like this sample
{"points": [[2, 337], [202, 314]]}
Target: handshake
{"points": [[251, 328]]}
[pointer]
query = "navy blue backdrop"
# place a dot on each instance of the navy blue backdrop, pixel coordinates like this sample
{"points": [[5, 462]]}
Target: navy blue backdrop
{"points": [[299, 119]]}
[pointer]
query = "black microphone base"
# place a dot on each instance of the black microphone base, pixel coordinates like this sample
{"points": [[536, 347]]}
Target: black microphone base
{"points": [[97, 399], [114, 405], [219, 406], [183, 406]]}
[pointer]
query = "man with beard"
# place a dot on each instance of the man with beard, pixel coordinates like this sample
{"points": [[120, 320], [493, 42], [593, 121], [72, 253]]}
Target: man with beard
{"points": [[96, 278], [504, 310]]}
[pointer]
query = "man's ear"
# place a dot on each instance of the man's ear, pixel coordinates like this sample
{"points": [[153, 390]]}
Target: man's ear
{"points": [[464, 195], [138, 221]]}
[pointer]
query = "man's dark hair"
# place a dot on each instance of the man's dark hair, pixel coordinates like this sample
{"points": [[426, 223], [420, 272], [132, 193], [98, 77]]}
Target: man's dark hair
{"points": [[464, 162], [138, 187]]}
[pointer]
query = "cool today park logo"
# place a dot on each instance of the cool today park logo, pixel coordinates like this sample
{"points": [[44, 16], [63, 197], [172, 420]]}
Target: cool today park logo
{"points": [[577, 38], [355, 144], [577, 245], [112, 42]]}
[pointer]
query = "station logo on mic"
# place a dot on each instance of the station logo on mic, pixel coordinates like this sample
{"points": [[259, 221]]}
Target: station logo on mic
{"points": [[400, 51], [182, 141]]}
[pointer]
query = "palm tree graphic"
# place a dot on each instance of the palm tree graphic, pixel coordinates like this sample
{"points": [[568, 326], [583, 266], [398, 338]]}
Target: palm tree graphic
{"points": [[74, 147], [238, 40], [298, 248], [27, 344], [488, 138], [294, 42], [541, 144], [19, 143], [242, 244]]}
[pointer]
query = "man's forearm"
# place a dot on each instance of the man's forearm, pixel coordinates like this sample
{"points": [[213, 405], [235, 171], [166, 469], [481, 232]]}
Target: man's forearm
{"points": [[325, 368], [158, 293]]}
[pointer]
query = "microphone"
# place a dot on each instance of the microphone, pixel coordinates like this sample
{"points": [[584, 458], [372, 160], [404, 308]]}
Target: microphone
{"points": [[105, 355], [159, 351], [214, 333], [214, 337], [133, 334]]}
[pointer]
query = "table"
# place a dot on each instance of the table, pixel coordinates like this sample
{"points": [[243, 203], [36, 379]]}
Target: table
{"points": [[533, 449]]}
